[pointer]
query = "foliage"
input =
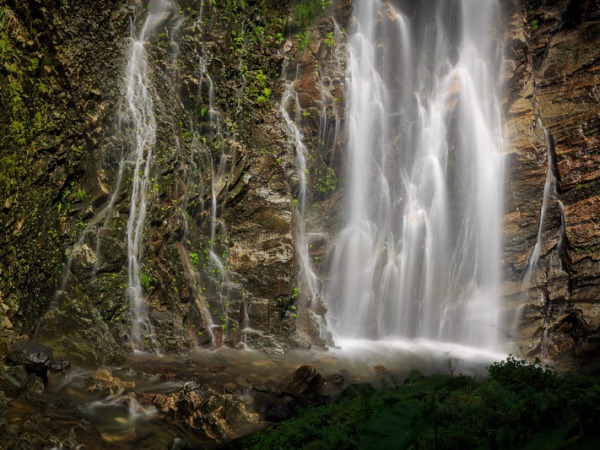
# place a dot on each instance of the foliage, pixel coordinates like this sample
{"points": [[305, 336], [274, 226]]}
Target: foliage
{"points": [[325, 180], [306, 11], [534, 25], [520, 405], [330, 40], [303, 40], [145, 281], [8, 21], [194, 259]]}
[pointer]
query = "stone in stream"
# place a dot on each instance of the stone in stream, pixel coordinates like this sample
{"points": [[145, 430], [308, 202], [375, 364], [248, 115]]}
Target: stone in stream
{"points": [[305, 381], [220, 417]]}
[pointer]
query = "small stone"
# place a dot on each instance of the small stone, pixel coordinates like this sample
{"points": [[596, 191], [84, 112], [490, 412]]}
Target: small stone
{"points": [[35, 385], [59, 364]]}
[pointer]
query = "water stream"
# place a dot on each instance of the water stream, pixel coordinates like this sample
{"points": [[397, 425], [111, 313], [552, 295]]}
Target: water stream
{"points": [[139, 119], [419, 252]]}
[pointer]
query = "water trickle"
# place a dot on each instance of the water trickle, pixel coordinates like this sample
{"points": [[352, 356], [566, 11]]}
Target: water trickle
{"points": [[419, 252], [550, 193], [138, 118], [212, 159], [292, 114]]}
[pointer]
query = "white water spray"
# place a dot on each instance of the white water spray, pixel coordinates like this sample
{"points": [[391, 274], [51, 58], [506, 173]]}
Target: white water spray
{"points": [[419, 253]]}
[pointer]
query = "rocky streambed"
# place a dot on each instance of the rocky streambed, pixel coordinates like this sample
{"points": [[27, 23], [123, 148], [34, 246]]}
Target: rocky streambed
{"points": [[203, 399]]}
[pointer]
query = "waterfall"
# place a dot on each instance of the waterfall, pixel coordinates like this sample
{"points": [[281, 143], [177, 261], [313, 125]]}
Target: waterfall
{"points": [[139, 121], [419, 253]]}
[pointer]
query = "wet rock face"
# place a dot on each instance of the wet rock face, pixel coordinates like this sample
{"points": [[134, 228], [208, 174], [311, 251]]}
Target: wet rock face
{"points": [[58, 58], [218, 247], [210, 272], [554, 49]]}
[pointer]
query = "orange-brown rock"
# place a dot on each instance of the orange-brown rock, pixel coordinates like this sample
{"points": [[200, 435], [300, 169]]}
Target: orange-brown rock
{"points": [[553, 78]]}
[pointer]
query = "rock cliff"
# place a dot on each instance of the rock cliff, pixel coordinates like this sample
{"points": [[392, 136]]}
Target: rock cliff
{"points": [[553, 111], [220, 259]]}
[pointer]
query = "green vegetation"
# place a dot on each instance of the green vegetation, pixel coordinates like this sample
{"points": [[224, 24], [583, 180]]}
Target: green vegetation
{"points": [[330, 40], [145, 281], [520, 405], [534, 25], [306, 11], [303, 40], [325, 180], [9, 22], [194, 259]]}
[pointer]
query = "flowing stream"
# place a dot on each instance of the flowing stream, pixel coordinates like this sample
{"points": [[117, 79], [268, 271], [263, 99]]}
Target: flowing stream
{"points": [[419, 252]]}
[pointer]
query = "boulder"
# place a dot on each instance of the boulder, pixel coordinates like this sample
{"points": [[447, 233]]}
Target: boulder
{"points": [[35, 357], [14, 381], [305, 381], [221, 417]]}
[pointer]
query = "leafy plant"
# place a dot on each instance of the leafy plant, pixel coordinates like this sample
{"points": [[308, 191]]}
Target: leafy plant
{"points": [[194, 259], [534, 25], [145, 281], [330, 40]]}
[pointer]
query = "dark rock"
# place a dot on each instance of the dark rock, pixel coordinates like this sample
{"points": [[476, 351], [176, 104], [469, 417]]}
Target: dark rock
{"points": [[277, 413], [332, 385], [13, 380], [35, 357], [35, 385], [72, 327], [336, 379], [305, 381], [59, 364]]}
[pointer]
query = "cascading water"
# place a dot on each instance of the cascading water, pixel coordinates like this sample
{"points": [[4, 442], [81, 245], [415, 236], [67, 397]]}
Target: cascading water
{"points": [[291, 102], [138, 118], [419, 252]]}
